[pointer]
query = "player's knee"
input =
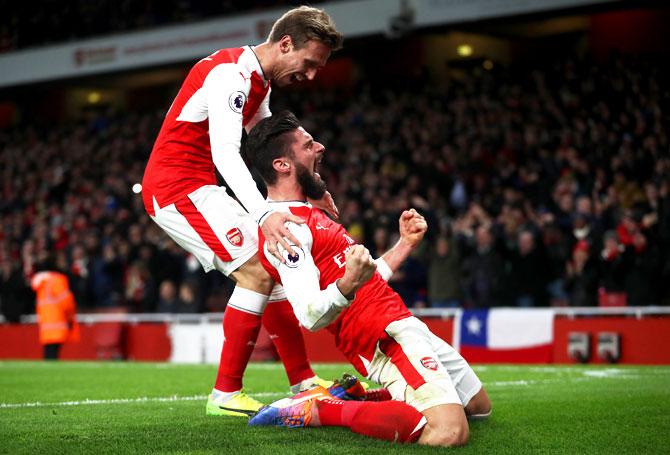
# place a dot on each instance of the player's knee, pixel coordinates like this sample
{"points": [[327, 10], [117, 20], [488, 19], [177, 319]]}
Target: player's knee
{"points": [[457, 436], [453, 436], [446, 426]]}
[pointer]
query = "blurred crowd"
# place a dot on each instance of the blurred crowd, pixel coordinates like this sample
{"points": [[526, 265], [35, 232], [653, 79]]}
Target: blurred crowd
{"points": [[543, 185], [548, 186], [66, 203], [23, 25]]}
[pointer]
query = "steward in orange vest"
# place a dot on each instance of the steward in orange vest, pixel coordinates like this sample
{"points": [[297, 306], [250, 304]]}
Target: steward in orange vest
{"points": [[56, 311]]}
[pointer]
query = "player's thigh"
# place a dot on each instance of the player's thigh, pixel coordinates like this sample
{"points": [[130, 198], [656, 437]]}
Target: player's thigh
{"points": [[465, 380], [251, 275], [213, 227], [446, 425], [408, 366]]}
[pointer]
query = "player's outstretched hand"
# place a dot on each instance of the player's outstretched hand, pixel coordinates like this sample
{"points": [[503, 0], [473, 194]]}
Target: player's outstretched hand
{"points": [[276, 233], [413, 227], [359, 269], [327, 204]]}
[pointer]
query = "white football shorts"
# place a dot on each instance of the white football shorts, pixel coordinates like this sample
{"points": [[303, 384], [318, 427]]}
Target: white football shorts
{"points": [[212, 226], [421, 369]]}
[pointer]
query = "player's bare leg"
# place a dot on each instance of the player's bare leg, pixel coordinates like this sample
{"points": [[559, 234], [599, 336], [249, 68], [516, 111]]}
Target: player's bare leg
{"points": [[251, 275], [479, 406], [446, 426]]}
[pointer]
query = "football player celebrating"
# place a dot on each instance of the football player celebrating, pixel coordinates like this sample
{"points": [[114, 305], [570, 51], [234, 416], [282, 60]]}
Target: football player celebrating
{"points": [[223, 94], [332, 282]]}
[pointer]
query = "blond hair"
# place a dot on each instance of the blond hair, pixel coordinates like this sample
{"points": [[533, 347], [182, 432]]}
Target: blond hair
{"points": [[305, 24]]}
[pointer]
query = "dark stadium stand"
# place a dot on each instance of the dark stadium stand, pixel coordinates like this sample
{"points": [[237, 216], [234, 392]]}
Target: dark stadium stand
{"points": [[543, 186], [56, 22]]}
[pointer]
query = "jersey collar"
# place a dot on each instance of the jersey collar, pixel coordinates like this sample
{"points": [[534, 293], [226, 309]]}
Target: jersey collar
{"points": [[290, 203], [252, 63]]}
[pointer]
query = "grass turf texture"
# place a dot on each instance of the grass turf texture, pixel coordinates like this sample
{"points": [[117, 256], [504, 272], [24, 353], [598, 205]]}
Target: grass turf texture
{"points": [[147, 407]]}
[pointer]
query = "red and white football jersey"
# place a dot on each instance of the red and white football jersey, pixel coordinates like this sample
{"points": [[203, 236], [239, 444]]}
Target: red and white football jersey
{"points": [[309, 279], [203, 128]]}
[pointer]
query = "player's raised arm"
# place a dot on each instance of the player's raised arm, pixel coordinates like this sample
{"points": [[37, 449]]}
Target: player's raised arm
{"points": [[412, 228]]}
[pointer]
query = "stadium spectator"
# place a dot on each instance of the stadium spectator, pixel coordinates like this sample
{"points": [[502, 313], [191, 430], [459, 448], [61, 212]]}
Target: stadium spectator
{"points": [[528, 272], [105, 278], [139, 285], [176, 300], [581, 280], [613, 271], [557, 247], [484, 271], [168, 299], [410, 280], [15, 295], [642, 272], [444, 274], [188, 302], [79, 268]]}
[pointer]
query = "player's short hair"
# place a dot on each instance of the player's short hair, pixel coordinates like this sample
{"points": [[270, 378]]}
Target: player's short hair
{"points": [[268, 140], [305, 24]]}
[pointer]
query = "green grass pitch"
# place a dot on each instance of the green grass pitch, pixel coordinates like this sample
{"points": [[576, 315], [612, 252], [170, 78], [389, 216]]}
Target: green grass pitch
{"points": [[89, 407]]}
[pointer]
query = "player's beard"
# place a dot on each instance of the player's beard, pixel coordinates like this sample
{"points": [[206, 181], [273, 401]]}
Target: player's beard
{"points": [[311, 184]]}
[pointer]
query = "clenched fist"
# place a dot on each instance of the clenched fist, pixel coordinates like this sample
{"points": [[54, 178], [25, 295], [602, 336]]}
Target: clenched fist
{"points": [[359, 269], [413, 226]]}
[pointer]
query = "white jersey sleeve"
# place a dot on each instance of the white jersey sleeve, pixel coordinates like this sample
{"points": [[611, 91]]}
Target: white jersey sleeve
{"points": [[314, 308], [226, 91]]}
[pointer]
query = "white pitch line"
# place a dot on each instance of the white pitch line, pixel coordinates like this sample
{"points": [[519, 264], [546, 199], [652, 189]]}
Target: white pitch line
{"points": [[586, 378], [39, 404], [588, 375], [508, 383]]}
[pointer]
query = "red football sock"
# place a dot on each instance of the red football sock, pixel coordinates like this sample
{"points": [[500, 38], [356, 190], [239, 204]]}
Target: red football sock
{"points": [[241, 324], [286, 334], [378, 395], [392, 420], [337, 413]]}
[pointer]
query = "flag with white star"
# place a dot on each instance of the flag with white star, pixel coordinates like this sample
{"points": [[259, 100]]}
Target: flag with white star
{"points": [[513, 335], [473, 327]]}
